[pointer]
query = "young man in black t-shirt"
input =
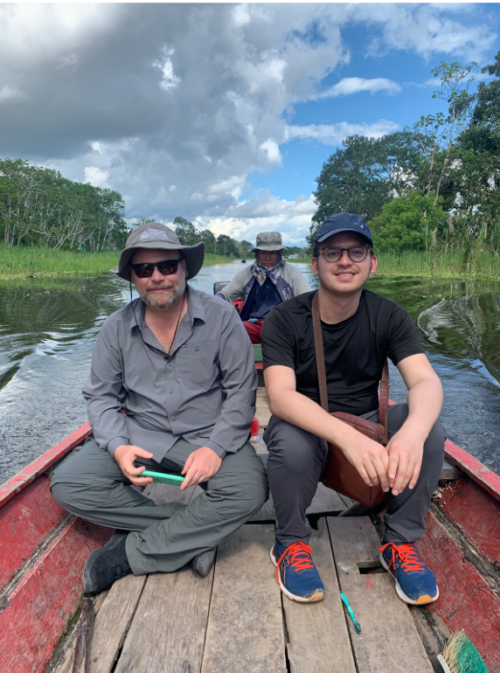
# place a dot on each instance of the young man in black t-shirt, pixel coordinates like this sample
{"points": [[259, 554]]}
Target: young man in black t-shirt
{"points": [[360, 330]]}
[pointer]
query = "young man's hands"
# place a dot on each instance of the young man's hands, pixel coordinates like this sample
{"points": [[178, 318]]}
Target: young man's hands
{"points": [[369, 458], [405, 449], [394, 466]]}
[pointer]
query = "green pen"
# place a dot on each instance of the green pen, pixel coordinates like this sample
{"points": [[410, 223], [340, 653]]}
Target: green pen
{"points": [[357, 625]]}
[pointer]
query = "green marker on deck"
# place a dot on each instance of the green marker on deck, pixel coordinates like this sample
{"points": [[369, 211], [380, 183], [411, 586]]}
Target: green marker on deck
{"points": [[357, 625]]}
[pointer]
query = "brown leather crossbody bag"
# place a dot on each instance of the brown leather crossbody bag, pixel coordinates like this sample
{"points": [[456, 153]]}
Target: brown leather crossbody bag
{"points": [[339, 474]]}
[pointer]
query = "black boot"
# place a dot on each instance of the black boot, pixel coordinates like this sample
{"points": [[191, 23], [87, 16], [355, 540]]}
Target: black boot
{"points": [[106, 565]]}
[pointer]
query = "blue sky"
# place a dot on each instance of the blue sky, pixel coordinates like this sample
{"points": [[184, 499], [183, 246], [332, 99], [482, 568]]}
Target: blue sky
{"points": [[221, 113]]}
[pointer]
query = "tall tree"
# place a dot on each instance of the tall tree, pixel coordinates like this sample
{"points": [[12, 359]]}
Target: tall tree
{"points": [[365, 174], [209, 240], [437, 133], [226, 246], [186, 231], [40, 207]]}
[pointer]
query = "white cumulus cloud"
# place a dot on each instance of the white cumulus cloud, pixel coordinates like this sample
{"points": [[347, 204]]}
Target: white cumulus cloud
{"points": [[265, 213], [272, 152], [142, 97], [8, 92], [169, 80], [351, 85], [334, 134], [96, 176]]}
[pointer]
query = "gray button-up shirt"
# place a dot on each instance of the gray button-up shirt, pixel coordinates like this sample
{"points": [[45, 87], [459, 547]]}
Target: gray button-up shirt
{"points": [[204, 392]]}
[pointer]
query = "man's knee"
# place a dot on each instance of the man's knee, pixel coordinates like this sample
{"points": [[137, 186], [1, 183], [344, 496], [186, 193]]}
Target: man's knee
{"points": [[64, 494], [254, 495], [294, 449], [241, 500], [434, 444]]}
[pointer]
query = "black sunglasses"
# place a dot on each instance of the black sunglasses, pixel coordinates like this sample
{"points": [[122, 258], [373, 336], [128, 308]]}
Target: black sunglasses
{"points": [[167, 268]]}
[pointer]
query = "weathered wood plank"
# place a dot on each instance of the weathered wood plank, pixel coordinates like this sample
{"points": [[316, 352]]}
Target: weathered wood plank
{"points": [[245, 626], [389, 642], [450, 472], [63, 660], [318, 640], [262, 408], [113, 621], [168, 630], [266, 512], [325, 501]]}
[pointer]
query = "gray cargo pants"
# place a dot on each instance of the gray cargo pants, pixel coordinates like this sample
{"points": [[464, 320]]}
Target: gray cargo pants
{"points": [[164, 537], [295, 464]]}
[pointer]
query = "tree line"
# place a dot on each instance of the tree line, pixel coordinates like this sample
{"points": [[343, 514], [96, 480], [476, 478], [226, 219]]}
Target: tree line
{"points": [[432, 185], [222, 245], [40, 207]]}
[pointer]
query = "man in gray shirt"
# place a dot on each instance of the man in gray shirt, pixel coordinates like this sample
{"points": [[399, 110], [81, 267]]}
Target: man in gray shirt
{"points": [[171, 389]]}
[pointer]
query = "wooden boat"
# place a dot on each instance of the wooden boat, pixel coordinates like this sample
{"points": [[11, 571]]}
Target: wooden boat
{"points": [[236, 619]]}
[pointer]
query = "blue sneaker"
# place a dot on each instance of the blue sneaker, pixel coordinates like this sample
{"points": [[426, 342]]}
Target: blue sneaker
{"points": [[296, 573], [415, 582]]}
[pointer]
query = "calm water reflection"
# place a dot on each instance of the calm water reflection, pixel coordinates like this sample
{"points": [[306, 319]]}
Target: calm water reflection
{"points": [[48, 328]]}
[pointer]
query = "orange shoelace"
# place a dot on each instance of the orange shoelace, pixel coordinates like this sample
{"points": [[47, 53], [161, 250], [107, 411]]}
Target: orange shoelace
{"points": [[408, 556], [299, 557]]}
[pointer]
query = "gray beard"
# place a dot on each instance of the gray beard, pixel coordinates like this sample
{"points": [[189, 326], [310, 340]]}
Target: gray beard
{"points": [[164, 304]]}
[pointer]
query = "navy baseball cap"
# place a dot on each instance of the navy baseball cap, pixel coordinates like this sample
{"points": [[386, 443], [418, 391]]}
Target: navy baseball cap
{"points": [[336, 224]]}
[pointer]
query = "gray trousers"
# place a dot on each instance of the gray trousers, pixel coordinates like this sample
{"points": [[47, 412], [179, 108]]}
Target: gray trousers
{"points": [[296, 461], [164, 537]]}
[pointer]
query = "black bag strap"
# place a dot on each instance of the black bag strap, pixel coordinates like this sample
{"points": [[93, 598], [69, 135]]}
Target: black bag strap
{"points": [[320, 364]]}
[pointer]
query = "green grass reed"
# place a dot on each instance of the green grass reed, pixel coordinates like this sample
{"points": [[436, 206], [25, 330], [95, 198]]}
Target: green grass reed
{"points": [[437, 264], [38, 262]]}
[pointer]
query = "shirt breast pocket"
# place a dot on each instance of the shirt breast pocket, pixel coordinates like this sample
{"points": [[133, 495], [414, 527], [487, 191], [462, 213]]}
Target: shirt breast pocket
{"points": [[198, 363]]}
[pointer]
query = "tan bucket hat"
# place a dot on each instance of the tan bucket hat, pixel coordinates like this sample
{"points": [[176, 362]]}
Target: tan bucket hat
{"points": [[154, 235], [268, 240]]}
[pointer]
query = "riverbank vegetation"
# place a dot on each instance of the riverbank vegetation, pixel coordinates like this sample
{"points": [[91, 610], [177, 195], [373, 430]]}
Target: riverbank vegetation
{"points": [[449, 264], [432, 188], [22, 262], [38, 207]]}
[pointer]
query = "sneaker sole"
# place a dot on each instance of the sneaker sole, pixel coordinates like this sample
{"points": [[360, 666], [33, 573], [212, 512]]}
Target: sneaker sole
{"points": [[315, 598], [423, 600]]}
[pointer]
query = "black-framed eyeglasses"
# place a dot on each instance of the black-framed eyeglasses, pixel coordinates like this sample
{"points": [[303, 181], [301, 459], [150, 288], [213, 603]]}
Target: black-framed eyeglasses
{"points": [[357, 253], [167, 267]]}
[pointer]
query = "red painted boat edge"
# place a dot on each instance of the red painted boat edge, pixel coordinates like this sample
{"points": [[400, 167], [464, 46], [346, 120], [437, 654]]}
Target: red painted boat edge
{"points": [[466, 601], [18, 482], [473, 468]]}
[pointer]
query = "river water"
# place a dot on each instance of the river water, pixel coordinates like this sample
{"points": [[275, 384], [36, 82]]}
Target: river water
{"points": [[48, 328]]}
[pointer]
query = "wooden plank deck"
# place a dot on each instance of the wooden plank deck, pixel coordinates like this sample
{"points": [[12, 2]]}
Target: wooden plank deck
{"points": [[236, 619]]}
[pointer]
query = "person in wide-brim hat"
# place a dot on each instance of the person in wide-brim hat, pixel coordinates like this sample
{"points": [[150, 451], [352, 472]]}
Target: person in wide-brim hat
{"points": [[265, 284], [153, 235], [171, 389], [269, 241]]}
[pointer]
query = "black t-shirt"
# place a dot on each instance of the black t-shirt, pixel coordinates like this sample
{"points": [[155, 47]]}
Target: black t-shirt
{"points": [[355, 349]]}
